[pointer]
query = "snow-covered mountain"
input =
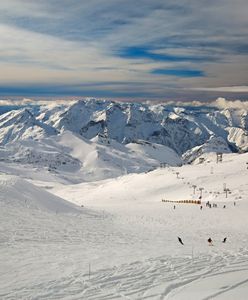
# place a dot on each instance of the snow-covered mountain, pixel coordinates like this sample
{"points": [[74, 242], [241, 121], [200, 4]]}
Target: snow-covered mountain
{"points": [[21, 125], [212, 145], [179, 128], [76, 157]]}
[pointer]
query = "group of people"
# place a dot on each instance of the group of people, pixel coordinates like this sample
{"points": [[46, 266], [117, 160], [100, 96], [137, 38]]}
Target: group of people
{"points": [[208, 204], [210, 241]]}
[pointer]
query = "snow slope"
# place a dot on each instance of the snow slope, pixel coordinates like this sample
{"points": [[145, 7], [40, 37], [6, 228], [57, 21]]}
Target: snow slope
{"points": [[19, 193], [125, 245], [71, 157]]}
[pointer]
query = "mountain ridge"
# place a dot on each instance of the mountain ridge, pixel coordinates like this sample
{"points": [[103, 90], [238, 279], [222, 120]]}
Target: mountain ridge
{"points": [[180, 128]]}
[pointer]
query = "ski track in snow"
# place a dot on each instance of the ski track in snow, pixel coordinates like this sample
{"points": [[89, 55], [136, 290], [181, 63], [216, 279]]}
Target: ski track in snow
{"points": [[158, 278], [56, 243]]}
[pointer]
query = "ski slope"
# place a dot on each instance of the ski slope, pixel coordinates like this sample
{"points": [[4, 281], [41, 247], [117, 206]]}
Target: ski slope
{"points": [[122, 244]]}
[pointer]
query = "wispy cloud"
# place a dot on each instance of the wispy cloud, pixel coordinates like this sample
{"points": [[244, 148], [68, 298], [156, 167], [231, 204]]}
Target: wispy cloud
{"points": [[121, 44], [231, 89]]}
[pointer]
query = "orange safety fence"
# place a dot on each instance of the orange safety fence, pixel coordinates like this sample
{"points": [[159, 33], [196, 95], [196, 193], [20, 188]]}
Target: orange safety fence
{"points": [[183, 201]]}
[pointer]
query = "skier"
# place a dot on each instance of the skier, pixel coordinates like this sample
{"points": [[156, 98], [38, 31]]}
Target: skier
{"points": [[210, 242], [224, 240], [180, 240]]}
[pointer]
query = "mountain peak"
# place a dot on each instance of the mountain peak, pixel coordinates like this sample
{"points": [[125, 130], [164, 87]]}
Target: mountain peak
{"points": [[22, 124]]}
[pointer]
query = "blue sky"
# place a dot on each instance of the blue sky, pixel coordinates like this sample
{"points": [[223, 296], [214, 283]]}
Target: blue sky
{"points": [[124, 49]]}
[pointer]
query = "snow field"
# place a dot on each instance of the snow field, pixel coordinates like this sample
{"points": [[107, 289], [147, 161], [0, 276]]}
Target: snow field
{"points": [[126, 235]]}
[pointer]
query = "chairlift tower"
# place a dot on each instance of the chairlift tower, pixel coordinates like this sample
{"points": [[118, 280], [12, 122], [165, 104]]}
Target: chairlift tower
{"points": [[194, 187], [219, 157], [227, 191], [201, 189]]}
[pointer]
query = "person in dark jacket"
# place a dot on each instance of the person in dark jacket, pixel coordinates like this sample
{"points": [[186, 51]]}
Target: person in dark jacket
{"points": [[180, 240], [210, 242], [224, 240]]}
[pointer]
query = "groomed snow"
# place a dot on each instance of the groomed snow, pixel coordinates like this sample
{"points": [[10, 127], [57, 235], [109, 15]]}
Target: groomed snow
{"points": [[122, 244]]}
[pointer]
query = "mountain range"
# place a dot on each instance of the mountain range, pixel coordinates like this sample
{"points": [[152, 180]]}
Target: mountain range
{"points": [[104, 139]]}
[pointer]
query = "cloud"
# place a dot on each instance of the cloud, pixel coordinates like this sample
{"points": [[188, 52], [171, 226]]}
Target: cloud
{"points": [[222, 103], [24, 8], [12, 102], [73, 43], [26, 102], [219, 103], [226, 89]]}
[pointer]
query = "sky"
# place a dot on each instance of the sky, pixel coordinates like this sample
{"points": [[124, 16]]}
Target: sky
{"points": [[123, 49]]}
